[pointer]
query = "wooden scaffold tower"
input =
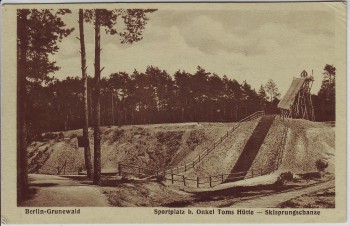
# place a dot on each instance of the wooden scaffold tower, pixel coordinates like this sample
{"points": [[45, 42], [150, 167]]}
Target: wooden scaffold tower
{"points": [[297, 102]]}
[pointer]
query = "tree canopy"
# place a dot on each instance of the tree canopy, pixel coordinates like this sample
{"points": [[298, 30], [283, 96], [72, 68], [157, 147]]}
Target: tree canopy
{"points": [[152, 96], [325, 101], [38, 33]]}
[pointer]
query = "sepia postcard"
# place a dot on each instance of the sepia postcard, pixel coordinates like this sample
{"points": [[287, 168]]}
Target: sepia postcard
{"points": [[173, 112]]}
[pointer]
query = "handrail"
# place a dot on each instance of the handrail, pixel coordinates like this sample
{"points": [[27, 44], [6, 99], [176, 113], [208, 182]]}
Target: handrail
{"points": [[212, 178], [211, 147], [220, 178], [255, 172], [249, 116], [139, 170]]}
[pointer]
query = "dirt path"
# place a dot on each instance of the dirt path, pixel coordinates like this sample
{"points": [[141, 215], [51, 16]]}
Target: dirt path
{"points": [[270, 201], [59, 191]]}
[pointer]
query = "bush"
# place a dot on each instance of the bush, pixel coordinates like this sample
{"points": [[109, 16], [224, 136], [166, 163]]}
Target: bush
{"points": [[60, 136], [140, 131], [310, 176], [74, 135], [48, 136], [321, 165], [283, 178], [117, 134], [160, 178], [125, 178], [195, 138], [80, 170]]}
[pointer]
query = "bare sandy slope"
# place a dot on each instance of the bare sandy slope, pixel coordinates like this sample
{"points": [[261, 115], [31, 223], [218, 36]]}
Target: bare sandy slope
{"points": [[148, 146], [306, 143], [172, 145], [168, 145], [267, 157], [225, 155]]}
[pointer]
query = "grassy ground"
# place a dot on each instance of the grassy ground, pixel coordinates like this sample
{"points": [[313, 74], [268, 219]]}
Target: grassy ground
{"points": [[51, 190], [148, 193], [319, 199], [145, 194], [77, 190]]}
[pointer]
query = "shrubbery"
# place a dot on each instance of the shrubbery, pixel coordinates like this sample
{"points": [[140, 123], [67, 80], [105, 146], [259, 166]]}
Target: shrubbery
{"points": [[321, 165], [61, 136], [160, 178], [117, 134], [283, 178], [74, 135], [49, 136], [195, 138]]}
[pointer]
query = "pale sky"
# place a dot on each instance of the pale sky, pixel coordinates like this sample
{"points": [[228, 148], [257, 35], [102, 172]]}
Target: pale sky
{"points": [[244, 44]]}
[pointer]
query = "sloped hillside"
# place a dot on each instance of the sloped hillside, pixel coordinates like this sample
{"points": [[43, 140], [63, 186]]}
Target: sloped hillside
{"points": [[267, 157], [148, 146], [225, 155], [306, 143], [153, 146]]}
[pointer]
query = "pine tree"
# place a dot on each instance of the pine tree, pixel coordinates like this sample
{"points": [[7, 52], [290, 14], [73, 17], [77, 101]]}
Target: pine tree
{"points": [[135, 21], [326, 95], [38, 32], [272, 90], [87, 153], [262, 95]]}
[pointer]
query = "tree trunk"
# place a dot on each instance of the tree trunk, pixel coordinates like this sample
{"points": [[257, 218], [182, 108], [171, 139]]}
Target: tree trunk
{"points": [[123, 116], [102, 111], [22, 168], [182, 114], [236, 113], [112, 112], [271, 106], [66, 123], [91, 118], [97, 133], [225, 119], [87, 154], [141, 121], [133, 116]]}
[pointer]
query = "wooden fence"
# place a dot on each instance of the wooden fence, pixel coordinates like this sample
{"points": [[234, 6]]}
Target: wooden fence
{"points": [[213, 180], [186, 166], [152, 173], [63, 168], [125, 169], [174, 174]]}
